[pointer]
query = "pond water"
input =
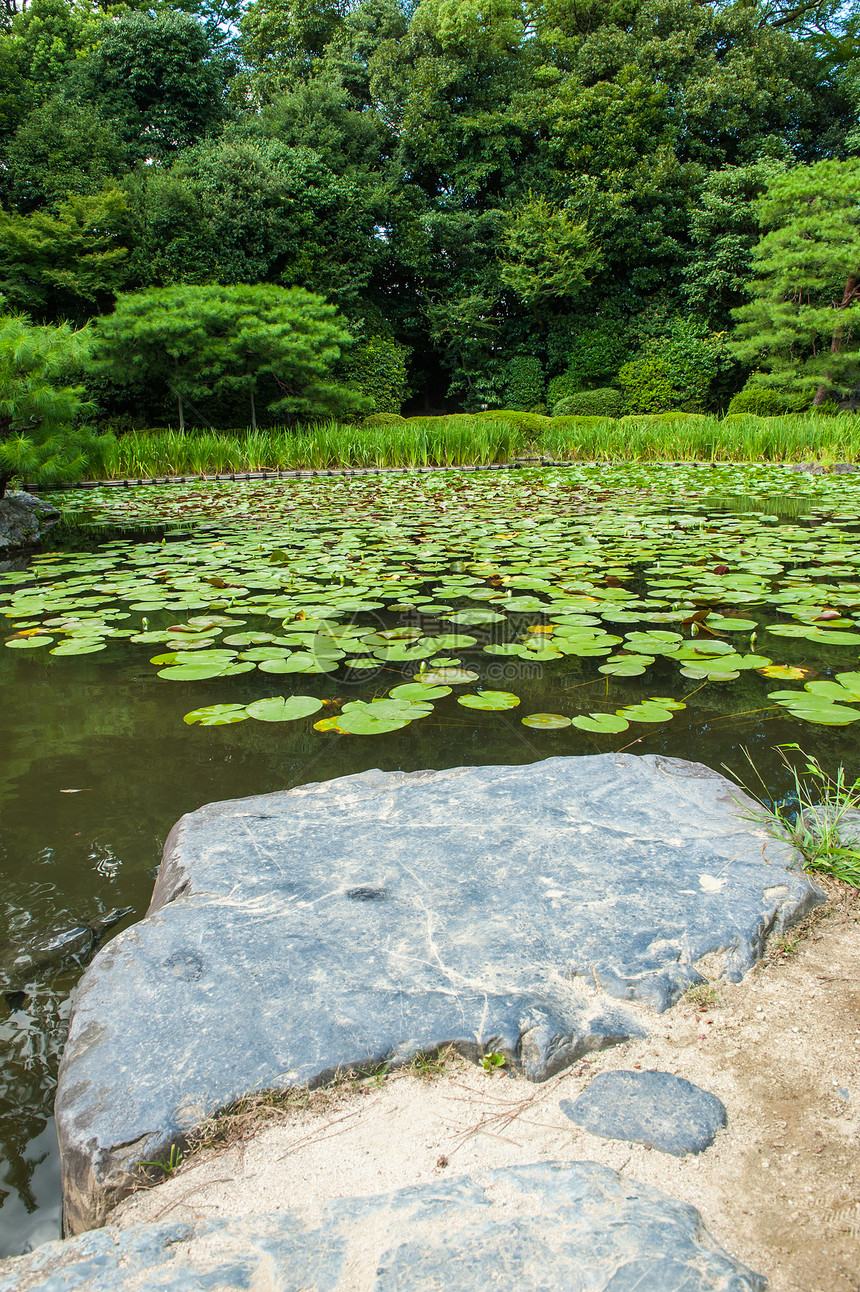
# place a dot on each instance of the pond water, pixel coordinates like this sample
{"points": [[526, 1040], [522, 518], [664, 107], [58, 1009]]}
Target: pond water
{"points": [[682, 610]]}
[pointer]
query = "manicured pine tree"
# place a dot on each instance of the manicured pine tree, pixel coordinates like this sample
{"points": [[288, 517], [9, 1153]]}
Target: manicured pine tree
{"points": [[802, 326]]}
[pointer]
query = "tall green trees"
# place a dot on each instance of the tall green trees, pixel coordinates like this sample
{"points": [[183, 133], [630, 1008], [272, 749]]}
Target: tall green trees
{"points": [[802, 325], [271, 345], [492, 180]]}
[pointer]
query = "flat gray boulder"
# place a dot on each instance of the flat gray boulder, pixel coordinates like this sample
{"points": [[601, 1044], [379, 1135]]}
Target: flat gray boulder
{"points": [[366, 919], [571, 1225], [650, 1107]]}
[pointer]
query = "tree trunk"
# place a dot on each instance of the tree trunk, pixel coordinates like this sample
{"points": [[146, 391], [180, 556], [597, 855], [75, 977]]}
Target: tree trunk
{"points": [[181, 413], [253, 412], [852, 290]]}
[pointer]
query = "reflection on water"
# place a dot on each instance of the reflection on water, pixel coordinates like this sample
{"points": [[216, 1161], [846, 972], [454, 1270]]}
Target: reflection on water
{"points": [[781, 505]]}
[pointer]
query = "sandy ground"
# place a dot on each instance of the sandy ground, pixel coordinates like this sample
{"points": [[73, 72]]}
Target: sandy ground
{"points": [[779, 1188]]}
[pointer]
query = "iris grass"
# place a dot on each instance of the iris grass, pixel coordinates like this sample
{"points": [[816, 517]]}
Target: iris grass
{"points": [[434, 442], [706, 439], [462, 440]]}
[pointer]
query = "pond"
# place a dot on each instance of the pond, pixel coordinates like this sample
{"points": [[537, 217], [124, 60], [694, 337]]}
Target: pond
{"points": [[264, 635]]}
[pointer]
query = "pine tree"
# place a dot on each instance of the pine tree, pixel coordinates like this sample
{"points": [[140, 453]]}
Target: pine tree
{"points": [[210, 340], [802, 327], [41, 440]]}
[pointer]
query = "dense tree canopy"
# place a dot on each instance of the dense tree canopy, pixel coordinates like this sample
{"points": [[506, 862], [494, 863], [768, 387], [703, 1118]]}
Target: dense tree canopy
{"points": [[576, 183]]}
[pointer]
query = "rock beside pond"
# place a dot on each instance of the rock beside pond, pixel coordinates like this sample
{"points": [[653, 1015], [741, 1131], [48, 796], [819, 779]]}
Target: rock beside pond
{"points": [[24, 518], [656, 1108], [527, 910], [557, 1224]]}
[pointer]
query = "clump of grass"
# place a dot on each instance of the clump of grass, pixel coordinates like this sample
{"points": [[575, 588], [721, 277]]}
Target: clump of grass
{"points": [[704, 996], [821, 818]]}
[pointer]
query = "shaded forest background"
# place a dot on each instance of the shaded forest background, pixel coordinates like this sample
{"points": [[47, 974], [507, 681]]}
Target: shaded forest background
{"points": [[508, 203]]}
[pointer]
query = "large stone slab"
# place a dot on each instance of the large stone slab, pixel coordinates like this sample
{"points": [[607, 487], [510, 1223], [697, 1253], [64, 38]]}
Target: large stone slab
{"points": [[367, 918], [572, 1225]]}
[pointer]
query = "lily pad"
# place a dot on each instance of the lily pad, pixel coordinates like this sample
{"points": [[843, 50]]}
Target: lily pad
{"points": [[300, 662], [216, 715], [418, 691], [448, 676], [201, 672], [601, 724], [279, 708], [28, 643], [626, 665], [546, 721], [472, 618], [494, 700], [646, 711], [86, 646]]}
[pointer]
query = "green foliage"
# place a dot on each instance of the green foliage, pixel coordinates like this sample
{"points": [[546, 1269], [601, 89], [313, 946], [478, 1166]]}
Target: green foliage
{"points": [[547, 253], [674, 370], [724, 229], [646, 383], [801, 325], [39, 47], [531, 424], [524, 382], [152, 75], [593, 359], [67, 264], [40, 439], [429, 441], [276, 344], [822, 819], [763, 401], [591, 403], [246, 210], [494, 180], [378, 368], [384, 419], [62, 147]]}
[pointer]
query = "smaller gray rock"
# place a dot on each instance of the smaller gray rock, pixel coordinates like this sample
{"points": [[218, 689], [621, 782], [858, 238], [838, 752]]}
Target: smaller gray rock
{"points": [[23, 520], [650, 1107]]}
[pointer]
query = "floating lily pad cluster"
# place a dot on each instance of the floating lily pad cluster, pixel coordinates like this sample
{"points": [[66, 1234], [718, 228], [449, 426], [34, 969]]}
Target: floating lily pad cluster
{"points": [[408, 588]]}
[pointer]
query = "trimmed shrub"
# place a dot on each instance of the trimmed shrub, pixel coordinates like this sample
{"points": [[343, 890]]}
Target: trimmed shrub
{"points": [[759, 401], [529, 423], [378, 367], [524, 382], [591, 403], [669, 415], [577, 423], [560, 387], [647, 385], [384, 419]]}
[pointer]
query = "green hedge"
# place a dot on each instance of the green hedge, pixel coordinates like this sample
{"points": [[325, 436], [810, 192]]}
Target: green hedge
{"points": [[529, 423], [384, 419], [604, 402], [574, 423]]}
